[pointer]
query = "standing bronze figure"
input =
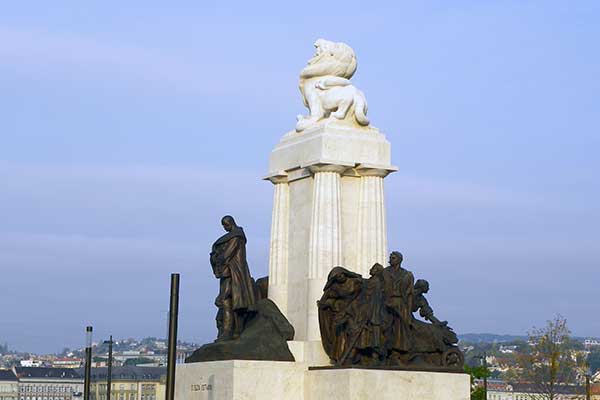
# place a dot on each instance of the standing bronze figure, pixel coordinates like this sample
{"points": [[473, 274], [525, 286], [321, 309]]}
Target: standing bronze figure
{"points": [[236, 292], [250, 326], [398, 286]]}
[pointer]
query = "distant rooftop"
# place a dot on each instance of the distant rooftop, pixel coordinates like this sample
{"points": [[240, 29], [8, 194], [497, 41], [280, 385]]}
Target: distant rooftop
{"points": [[42, 372], [127, 373], [7, 375]]}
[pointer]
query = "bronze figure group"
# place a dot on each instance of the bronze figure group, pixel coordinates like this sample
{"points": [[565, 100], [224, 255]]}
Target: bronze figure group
{"points": [[370, 322]]}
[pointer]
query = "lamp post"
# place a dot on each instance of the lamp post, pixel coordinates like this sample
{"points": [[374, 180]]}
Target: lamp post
{"points": [[88, 363], [485, 374], [109, 367], [588, 388], [172, 346], [483, 359]]}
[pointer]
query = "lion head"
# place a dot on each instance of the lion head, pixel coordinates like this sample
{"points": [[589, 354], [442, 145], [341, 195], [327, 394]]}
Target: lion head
{"points": [[336, 59]]}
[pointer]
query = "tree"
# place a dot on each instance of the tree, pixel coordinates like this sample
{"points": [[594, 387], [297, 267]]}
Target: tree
{"points": [[551, 364], [139, 360], [480, 372], [594, 360]]}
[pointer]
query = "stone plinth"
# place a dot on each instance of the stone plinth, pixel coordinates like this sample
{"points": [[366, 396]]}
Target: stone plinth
{"points": [[240, 380], [249, 380], [360, 384], [328, 210]]}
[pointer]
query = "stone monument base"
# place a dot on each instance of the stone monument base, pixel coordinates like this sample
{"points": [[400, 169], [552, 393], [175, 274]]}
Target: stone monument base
{"points": [[280, 380], [383, 384]]}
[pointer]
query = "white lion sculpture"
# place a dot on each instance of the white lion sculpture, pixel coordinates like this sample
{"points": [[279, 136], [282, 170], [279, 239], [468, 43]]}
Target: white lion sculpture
{"points": [[326, 88]]}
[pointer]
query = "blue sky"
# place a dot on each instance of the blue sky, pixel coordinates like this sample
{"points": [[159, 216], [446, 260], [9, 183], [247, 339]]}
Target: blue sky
{"points": [[128, 130]]}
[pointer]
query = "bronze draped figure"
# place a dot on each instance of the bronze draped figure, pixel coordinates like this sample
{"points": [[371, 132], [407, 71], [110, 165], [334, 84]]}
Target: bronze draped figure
{"points": [[250, 326], [370, 321], [236, 286]]}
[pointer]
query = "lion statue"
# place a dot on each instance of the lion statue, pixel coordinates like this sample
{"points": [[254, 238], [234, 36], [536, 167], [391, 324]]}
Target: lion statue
{"points": [[326, 88]]}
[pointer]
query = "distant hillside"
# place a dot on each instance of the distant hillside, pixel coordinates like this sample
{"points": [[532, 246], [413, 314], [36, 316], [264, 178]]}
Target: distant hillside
{"points": [[489, 338]]}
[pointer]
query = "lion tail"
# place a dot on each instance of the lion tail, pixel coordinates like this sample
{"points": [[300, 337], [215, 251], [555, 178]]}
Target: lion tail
{"points": [[360, 108]]}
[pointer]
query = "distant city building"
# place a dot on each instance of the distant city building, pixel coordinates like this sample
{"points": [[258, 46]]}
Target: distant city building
{"points": [[591, 342], [31, 363], [129, 383], [67, 362], [38, 383], [498, 390], [9, 385]]}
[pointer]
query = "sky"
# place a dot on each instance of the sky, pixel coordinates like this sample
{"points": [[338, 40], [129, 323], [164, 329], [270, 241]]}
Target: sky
{"points": [[127, 129]]}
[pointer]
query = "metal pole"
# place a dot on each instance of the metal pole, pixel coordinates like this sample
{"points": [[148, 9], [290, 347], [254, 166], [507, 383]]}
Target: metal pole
{"points": [[109, 369], [588, 389], [172, 349], [88, 363], [485, 376]]}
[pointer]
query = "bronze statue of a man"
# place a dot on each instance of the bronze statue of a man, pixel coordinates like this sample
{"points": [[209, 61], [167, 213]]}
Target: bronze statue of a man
{"points": [[398, 286], [236, 291]]}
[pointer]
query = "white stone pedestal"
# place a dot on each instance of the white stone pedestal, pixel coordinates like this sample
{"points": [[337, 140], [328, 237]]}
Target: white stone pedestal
{"points": [[240, 380], [328, 210], [361, 384], [276, 380]]}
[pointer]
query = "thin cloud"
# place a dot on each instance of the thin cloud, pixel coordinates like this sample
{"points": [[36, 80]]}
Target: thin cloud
{"points": [[50, 55]]}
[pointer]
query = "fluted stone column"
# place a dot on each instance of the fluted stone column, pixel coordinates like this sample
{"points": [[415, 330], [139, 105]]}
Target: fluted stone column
{"points": [[325, 248], [372, 229], [278, 255]]}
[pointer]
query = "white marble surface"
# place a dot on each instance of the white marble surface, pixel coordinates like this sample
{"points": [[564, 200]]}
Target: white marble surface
{"points": [[278, 254], [335, 214], [325, 248], [330, 142], [361, 384], [309, 352], [240, 380], [250, 380]]}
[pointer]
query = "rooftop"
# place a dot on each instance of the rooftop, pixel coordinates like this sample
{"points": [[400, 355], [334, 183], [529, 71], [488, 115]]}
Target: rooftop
{"points": [[128, 373], [43, 372], [7, 375]]}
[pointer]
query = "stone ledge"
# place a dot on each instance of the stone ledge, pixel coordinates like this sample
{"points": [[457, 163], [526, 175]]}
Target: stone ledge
{"points": [[331, 144]]}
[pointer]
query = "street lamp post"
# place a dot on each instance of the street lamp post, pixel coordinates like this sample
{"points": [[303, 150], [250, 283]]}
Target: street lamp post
{"points": [[483, 359], [109, 367], [588, 389], [172, 346], [88, 363], [485, 374]]}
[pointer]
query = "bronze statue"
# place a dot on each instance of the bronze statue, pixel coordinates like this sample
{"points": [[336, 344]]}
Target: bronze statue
{"points": [[398, 286], [236, 292], [370, 322], [250, 326]]}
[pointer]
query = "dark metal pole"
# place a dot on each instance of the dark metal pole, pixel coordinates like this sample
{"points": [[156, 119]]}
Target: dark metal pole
{"points": [[485, 376], [172, 349], [88, 363], [109, 369], [588, 389]]}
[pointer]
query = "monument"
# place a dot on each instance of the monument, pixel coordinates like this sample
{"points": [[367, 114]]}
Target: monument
{"points": [[353, 337]]}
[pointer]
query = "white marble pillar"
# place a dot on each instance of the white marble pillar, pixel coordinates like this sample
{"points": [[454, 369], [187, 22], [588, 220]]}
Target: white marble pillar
{"points": [[278, 255], [372, 230], [325, 247]]}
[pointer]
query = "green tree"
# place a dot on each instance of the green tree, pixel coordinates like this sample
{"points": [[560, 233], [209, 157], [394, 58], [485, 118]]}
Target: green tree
{"points": [[139, 360], [593, 360], [477, 373]]}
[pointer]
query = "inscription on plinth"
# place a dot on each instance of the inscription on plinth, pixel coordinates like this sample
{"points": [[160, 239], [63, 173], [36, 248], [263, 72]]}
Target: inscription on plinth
{"points": [[202, 388]]}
